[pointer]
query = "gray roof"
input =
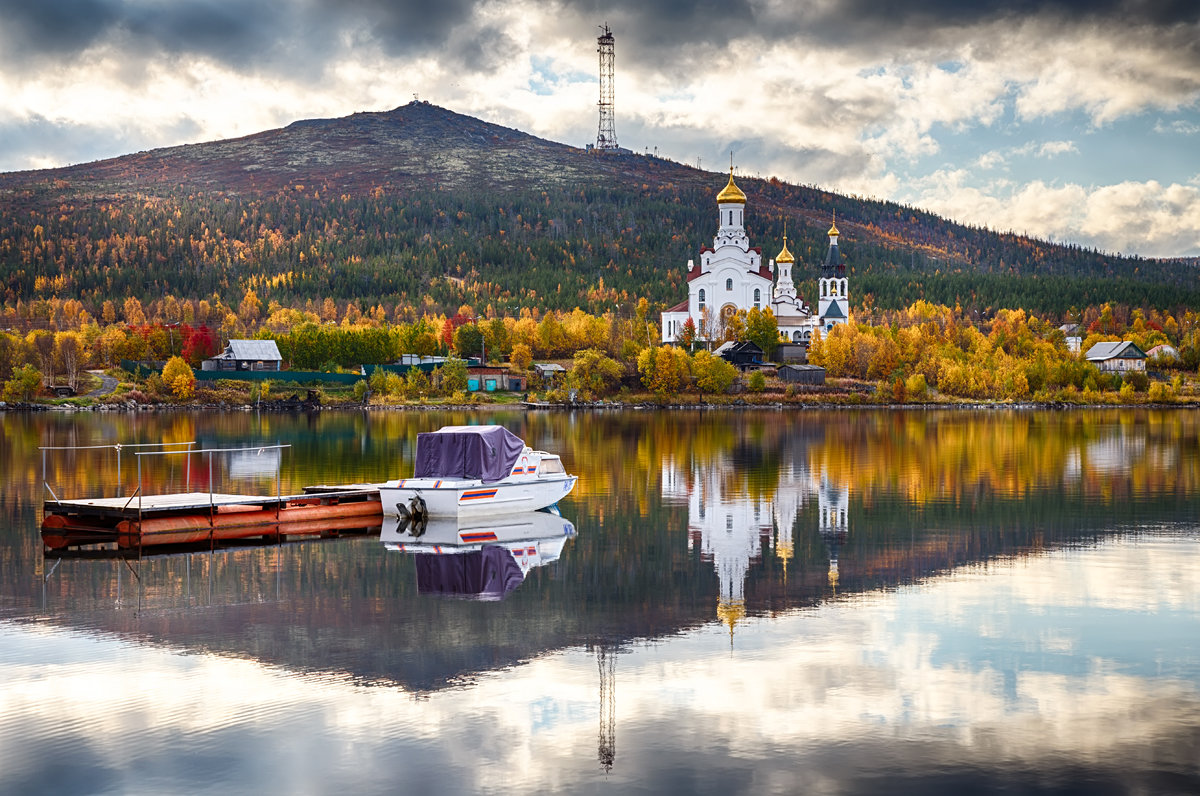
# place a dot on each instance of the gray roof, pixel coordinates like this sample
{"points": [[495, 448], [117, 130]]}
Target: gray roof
{"points": [[834, 311], [257, 350], [552, 367], [1121, 349], [797, 367]]}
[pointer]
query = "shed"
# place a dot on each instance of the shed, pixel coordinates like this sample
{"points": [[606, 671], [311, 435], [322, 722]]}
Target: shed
{"points": [[801, 374], [1118, 357], [550, 372], [792, 352], [246, 355], [485, 378]]}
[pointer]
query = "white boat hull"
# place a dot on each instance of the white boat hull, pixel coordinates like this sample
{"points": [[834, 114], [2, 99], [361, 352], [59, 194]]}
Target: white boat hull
{"points": [[465, 499]]}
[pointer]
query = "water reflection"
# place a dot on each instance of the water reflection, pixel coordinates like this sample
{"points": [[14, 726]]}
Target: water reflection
{"points": [[481, 559], [922, 600]]}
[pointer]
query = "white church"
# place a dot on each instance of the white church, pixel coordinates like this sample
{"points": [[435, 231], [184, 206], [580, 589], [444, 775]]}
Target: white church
{"points": [[731, 276]]}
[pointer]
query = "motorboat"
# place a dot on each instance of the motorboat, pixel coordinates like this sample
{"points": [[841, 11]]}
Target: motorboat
{"points": [[479, 559], [475, 471]]}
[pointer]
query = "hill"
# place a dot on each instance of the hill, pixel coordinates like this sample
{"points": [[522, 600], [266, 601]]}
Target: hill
{"points": [[426, 209]]}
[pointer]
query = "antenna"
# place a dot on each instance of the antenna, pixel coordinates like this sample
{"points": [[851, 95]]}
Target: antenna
{"points": [[606, 135]]}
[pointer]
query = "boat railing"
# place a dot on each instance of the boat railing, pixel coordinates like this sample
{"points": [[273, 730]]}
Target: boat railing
{"points": [[118, 447], [208, 452]]}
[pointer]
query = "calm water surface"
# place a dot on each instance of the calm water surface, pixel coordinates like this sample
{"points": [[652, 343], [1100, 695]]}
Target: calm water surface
{"points": [[832, 602]]}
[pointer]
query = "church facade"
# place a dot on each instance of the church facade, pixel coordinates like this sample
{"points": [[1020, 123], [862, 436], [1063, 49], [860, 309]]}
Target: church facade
{"points": [[732, 276]]}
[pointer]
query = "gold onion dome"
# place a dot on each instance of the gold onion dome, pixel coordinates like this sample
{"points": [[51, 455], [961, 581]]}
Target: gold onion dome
{"points": [[785, 256], [834, 230], [731, 193]]}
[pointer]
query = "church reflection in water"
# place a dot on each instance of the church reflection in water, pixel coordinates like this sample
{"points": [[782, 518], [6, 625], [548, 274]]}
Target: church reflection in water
{"points": [[483, 559], [731, 524]]}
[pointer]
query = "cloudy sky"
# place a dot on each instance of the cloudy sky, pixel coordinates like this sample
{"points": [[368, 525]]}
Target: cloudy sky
{"points": [[1076, 120]]}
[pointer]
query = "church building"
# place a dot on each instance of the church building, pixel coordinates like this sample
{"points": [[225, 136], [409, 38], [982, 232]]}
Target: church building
{"points": [[731, 276]]}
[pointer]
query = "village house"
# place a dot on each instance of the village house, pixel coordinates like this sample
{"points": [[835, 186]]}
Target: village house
{"points": [[1117, 357], [246, 355]]}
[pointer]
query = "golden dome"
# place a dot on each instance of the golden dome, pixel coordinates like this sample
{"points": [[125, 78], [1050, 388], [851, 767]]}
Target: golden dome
{"points": [[731, 193], [730, 612], [834, 230], [785, 256]]}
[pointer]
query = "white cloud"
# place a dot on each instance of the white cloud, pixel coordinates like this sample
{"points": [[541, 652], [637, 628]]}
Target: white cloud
{"points": [[1145, 217], [1051, 149]]}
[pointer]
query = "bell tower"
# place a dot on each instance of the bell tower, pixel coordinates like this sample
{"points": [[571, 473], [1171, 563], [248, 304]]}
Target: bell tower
{"points": [[834, 305]]}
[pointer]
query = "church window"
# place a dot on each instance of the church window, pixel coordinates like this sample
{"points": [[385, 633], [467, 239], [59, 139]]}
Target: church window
{"points": [[795, 337], [729, 284], [757, 297], [701, 298]]}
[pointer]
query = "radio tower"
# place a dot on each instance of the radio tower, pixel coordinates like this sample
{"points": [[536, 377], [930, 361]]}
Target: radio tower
{"points": [[606, 136]]}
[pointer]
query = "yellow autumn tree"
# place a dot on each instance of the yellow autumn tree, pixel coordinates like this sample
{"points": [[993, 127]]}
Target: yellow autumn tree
{"points": [[178, 377]]}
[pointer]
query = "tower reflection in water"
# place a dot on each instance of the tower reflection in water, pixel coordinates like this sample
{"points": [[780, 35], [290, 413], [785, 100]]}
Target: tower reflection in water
{"points": [[730, 524]]}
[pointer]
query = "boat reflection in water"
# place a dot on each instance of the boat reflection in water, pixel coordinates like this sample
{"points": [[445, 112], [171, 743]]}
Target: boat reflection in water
{"points": [[481, 559]]}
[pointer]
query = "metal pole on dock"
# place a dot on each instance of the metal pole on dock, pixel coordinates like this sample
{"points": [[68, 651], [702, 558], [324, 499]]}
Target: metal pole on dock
{"points": [[139, 461], [212, 510], [278, 497]]}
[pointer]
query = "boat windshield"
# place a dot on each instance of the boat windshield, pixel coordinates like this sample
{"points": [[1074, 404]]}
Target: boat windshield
{"points": [[550, 465]]}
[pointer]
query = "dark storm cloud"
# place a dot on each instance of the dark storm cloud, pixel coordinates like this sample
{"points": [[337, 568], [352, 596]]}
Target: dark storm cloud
{"points": [[283, 35], [656, 32], [55, 27], [278, 34]]}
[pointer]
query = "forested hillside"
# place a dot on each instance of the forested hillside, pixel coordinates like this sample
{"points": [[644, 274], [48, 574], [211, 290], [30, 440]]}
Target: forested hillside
{"points": [[420, 210]]}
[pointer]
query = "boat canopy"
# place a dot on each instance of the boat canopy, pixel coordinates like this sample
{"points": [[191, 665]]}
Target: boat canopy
{"points": [[484, 452], [486, 574]]}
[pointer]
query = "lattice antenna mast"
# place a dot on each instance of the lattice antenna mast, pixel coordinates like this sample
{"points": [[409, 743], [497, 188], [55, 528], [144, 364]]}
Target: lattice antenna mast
{"points": [[606, 751], [606, 136]]}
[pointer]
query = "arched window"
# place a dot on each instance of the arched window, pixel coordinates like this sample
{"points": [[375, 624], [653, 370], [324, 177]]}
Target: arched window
{"points": [[757, 296], [729, 284], [795, 337], [701, 298]]}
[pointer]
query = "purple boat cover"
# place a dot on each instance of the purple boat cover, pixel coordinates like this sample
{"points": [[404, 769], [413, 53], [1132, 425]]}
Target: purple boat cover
{"points": [[487, 574], [484, 452]]}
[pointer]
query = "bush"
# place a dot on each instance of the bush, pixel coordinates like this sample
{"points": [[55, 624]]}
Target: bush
{"points": [[916, 386], [1161, 393], [360, 389], [1139, 380], [25, 383], [757, 382], [177, 376]]}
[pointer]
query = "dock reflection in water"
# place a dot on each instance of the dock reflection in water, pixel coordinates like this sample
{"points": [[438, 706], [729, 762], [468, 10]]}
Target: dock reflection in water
{"points": [[476, 558]]}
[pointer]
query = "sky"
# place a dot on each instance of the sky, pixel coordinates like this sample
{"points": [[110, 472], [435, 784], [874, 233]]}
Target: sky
{"points": [[1074, 121]]}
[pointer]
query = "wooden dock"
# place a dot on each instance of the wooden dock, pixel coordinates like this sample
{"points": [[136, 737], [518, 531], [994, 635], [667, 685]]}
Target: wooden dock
{"points": [[189, 517], [198, 517]]}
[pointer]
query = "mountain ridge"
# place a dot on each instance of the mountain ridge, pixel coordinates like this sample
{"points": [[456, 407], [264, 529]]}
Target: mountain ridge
{"points": [[619, 217]]}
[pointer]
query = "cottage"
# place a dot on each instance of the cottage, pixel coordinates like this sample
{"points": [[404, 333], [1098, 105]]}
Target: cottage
{"points": [[246, 355], [801, 374], [1164, 353], [743, 354], [1118, 357]]}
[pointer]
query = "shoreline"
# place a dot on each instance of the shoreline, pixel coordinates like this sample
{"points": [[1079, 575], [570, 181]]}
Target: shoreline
{"points": [[599, 406]]}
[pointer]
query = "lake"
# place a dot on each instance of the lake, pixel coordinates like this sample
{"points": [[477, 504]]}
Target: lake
{"points": [[760, 601]]}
